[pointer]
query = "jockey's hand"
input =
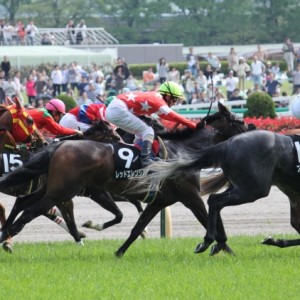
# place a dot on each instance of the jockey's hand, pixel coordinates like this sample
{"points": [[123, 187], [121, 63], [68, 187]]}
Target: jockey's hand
{"points": [[79, 133]]}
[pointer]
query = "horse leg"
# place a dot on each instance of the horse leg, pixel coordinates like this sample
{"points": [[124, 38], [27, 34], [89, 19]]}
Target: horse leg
{"points": [[105, 200], [148, 214], [216, 202], [195, 203], [64, 216], [30, 213], [295, 222], [7, 244], [67, 210]]}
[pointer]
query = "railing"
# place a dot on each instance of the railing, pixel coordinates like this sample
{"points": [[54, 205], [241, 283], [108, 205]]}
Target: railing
{"points": [[65, 36], [199, 110]]}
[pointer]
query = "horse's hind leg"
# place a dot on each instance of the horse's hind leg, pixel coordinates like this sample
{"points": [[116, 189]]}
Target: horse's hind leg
{"points": [[30, 213], [148, 214], [295, 222], [7, 244]]}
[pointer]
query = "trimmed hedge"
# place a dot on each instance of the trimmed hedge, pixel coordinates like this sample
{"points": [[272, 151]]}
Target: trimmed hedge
{"points": [[260, 105]]}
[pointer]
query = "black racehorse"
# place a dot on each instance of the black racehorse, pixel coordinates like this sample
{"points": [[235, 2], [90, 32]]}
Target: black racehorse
{"points": [[71, 166], [252, 162]]}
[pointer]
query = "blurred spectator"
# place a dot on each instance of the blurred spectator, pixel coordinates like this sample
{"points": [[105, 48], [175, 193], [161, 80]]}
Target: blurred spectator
{"points": [[288, 54], [242, 70], [214, 61], [96, 72], [56, 78], [80, 32], [236, 95], [119, 80], [296, 79], [70, 32], [272, 85], [131, 83], [261, 54], [30, 90], [174, 75], [149, 78], [5, 66], [20, 27], [162, 70], [257, 70], [188, 85], [2, 24], [19, 86], [45, 39], [124, 68], [201, 81], [211, 92], [73, 75], [83, 99], [7, 34], [99, 86], [230, 84], [65, 78], [232, 59], [192, 63], [268, 68], [91, 92], [31, 31], [208, 72], [10, 88], [81, 86], [276, 69]]}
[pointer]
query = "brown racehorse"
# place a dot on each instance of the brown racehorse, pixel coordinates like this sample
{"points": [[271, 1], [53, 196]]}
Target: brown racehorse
{"points": [[85, 164], [7, 140]]}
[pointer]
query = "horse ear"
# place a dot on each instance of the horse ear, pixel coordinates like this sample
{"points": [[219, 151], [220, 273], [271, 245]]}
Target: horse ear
{"points": [[222, 108], [8, 100], [18, 103]]}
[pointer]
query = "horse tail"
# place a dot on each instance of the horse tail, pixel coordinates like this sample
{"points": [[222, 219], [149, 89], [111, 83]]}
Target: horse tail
{"points": [[36, 166], [213, 183], [210, 157]]}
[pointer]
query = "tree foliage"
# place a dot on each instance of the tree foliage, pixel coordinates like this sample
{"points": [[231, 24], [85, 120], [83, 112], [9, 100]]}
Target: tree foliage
{"points": [[191, 22]]}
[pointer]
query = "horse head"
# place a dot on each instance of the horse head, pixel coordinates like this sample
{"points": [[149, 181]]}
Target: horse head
{"points": [[102, 131], [20, 123], [225, 122]]}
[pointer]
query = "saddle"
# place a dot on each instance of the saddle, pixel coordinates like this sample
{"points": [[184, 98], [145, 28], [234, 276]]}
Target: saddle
{"points": [[127, 158]]}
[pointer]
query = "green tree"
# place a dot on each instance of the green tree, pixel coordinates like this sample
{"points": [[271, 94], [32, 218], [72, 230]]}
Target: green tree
{"points": [[12, 7]]}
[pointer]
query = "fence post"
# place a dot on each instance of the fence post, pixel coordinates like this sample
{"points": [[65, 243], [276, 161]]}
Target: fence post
{"points": [[166, 223]]}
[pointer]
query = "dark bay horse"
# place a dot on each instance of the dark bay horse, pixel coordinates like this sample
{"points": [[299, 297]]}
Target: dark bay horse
{"points": [[7, 142], [252, 162], [71, 166]]}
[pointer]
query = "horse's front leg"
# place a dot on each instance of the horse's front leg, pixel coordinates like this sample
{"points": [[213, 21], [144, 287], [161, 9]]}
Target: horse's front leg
{"points": [[67, 210], [8, 243]]}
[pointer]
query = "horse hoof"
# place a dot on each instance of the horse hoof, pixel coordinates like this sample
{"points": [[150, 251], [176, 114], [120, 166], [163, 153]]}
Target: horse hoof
{"points": [[80, 243], [8, 247], [87, 224], [119, 254], [268, 241], [201, 248], [215, 249]]}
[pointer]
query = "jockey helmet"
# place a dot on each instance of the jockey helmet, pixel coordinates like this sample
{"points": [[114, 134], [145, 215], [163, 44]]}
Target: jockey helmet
{"points": [[171, 88], [56, 105], [108, 100]]}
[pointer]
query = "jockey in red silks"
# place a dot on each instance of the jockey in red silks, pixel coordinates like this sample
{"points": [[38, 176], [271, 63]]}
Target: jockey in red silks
{"points": [[82, 117], [122, 111], [47, 118]]}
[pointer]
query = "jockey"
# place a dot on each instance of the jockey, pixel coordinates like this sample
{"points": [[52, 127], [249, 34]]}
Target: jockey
{"points": [[123, 110], [48, 118], [82, 117]]}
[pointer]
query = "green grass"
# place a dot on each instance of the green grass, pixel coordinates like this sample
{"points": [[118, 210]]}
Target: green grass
{"points": [[151, 269]]}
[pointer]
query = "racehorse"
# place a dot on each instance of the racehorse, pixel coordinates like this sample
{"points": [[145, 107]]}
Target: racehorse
{"points": [[252, 162], [71, 166], [7, 127]]}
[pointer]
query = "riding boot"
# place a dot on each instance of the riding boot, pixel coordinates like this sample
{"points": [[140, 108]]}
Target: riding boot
{"points": [[145, 153]]}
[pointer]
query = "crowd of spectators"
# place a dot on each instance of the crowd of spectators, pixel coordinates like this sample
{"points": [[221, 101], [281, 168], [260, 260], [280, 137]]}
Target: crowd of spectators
{"points": [[94, 83]]}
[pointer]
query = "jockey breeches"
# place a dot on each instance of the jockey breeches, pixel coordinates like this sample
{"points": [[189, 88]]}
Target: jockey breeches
{"points": [[118, 114], [70, 121]]}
